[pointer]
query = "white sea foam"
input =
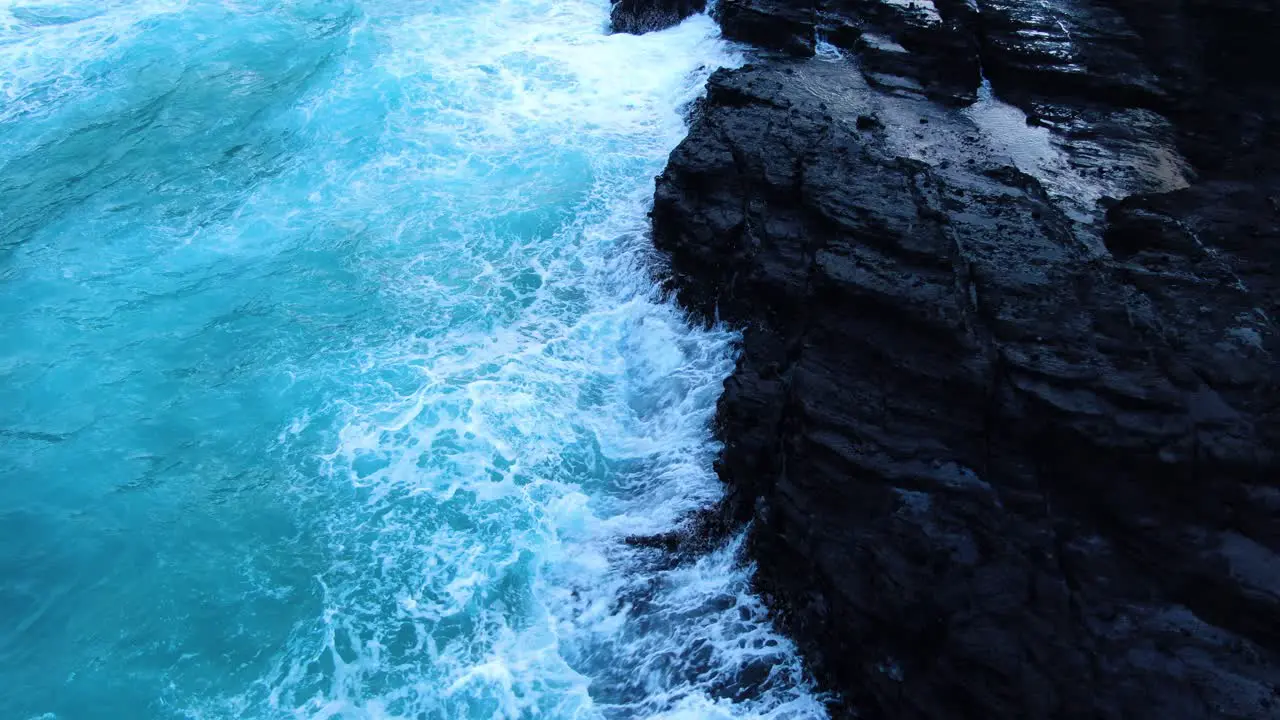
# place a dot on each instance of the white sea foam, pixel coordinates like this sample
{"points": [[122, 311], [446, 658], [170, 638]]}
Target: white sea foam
{"points": [[530, 400], [545, 405], [46, 46]]}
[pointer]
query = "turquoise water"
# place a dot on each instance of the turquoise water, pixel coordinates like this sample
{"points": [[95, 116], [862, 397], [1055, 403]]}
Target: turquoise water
{"points": [[334, 375]]}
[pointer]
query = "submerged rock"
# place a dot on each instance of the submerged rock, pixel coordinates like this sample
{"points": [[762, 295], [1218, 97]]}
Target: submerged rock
{"points": [[1004, 457]]}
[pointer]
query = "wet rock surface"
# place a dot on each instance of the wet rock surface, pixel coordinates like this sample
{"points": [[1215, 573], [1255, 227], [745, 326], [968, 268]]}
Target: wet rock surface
{"points": [[1007, 414], [778, 25], [640, 16]]}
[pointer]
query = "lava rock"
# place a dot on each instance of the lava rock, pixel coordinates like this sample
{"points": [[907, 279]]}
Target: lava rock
{"points": [[784, 26], [1214, 60], [993, 468], [641, 16], [935, 44], [1082, 48]]}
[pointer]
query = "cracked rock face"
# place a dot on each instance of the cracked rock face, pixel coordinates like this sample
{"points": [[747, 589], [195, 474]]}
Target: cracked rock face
{"points": [[1005, 455]]}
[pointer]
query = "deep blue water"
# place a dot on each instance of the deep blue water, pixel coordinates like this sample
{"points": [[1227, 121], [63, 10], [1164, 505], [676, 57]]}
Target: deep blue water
{"points": [[332, 372]]}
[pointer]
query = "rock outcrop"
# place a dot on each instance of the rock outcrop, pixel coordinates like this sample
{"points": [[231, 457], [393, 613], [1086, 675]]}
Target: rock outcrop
{"points": [[641, 16], [1010, 444]]}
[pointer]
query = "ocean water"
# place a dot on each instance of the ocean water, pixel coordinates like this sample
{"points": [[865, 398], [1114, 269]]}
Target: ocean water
{"points": [[333, 375]]}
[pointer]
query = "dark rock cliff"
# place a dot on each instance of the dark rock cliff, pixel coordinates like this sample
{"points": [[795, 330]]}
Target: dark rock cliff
{"points": [[640, 16], [1006, 420]]}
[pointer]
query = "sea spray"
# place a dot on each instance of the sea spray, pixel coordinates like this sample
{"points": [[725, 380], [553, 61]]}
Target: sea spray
{"points": [[339, 374]]}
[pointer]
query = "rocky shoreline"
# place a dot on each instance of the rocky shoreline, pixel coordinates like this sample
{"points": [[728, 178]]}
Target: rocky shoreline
{"points": [[1006, 419]]}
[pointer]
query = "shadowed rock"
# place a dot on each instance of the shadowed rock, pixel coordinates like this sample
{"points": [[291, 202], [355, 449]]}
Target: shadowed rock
{"points": [[1008, 453], [780, 25], [641, 16]]}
